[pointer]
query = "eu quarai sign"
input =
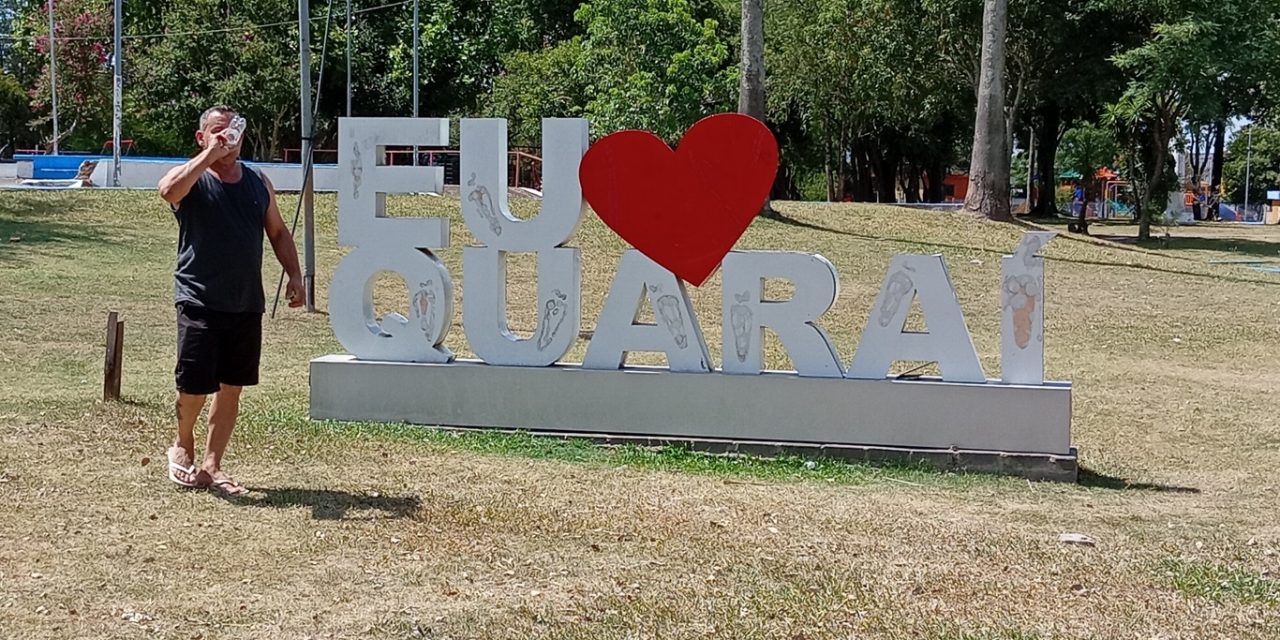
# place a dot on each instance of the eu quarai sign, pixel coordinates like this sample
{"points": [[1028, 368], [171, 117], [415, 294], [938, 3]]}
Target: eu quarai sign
{"points": [[709, 189]]}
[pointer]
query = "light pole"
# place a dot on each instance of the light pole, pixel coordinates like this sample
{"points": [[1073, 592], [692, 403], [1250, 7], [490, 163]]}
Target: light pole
{"points": [[116, 98], [1248, 158], [415, 73], [348, 58], [53, 75], [308, 211]]}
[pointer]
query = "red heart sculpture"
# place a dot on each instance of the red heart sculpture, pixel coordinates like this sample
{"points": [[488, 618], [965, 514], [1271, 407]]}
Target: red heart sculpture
{"points": [[684, 209]]}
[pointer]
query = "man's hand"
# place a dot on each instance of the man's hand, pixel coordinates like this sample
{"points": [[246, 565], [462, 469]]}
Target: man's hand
{"points": [[177, 183], [221, 149], [295, 293]]}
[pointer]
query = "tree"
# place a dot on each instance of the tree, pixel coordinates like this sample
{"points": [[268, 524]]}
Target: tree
{"points": [[989, 166], [751, 85], [172, 80], [1196, 61], [751, 96], [651, 64], [83, 50], [1073, 75], [865, 102], [537, 85], [1085, 149], [15, 112], [1261, 156]]}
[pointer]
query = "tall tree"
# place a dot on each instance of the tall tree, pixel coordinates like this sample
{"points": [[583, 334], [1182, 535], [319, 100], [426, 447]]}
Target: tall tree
{"points": [[644, 64], [751, 97], [1257, 159], [751, 84], [989, 165], [83, 47], [174, 79]]}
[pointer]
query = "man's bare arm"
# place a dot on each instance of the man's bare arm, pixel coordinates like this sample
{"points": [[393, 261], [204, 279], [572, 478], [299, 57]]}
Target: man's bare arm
{"points": [[177, 183], [282, 243]]}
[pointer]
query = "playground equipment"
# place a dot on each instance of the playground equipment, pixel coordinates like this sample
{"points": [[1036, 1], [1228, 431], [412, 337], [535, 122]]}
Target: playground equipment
{"points": [[1117, 200]]}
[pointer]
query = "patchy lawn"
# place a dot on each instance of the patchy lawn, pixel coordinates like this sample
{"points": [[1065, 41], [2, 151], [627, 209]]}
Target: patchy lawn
{"points": [[388, 531]]}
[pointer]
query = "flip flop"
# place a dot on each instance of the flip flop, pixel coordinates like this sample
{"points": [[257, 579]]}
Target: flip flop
{"points": [[174, 467], [228, 488]]}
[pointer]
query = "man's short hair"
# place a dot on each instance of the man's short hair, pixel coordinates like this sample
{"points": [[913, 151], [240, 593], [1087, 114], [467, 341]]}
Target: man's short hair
{"points": [[220, 108]]}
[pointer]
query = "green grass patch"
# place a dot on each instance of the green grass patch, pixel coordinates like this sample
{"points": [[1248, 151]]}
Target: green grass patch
{"points": [[1220, 583], [279, 424]]}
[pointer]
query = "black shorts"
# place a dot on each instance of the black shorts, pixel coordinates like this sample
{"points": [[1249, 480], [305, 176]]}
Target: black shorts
{"points": [[217, 348]]}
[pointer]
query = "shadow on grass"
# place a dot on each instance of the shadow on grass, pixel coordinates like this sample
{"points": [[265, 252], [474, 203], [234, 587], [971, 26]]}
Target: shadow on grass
{"points": [[23, 224], [958, 247], [1090, 478], [1243, 247], [330, 505]]}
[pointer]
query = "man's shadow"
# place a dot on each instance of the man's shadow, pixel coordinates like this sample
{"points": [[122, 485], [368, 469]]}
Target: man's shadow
{"points": [[330, 505]]}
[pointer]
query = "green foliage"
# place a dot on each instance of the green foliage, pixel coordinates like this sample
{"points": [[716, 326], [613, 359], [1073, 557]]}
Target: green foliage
{"points": [[643, 64], [545, 84], [15, 112], [173, 80], [1198, 60], [84, 72], [1086, 148], [871, 96], [1263, 158], [864, 85], [651, 64]]}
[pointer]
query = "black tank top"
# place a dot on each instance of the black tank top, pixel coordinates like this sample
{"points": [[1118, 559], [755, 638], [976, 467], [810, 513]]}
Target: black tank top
{"points": [[220, 244]]}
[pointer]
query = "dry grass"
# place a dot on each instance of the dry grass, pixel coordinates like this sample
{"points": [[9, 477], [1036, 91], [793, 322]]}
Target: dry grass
{"points": [[390, 532]]}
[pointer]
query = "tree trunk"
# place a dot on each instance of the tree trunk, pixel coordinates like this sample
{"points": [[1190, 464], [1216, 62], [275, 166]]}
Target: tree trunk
{"points": [[887, 174], [751, 100], [1047, 159], [989, 164], [864, 192], [784, 184], [1215, 183], [843, 162], [827, 170], [937, 173], [913, 183], [1156, 189]]}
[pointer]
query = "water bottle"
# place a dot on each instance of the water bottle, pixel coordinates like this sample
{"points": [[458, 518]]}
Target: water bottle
{"points": [[233, 131]]}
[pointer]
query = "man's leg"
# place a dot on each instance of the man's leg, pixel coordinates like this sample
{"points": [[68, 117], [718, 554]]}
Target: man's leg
{"points": [[239, 353], [222, 423], [195, 377], [187, 410]]}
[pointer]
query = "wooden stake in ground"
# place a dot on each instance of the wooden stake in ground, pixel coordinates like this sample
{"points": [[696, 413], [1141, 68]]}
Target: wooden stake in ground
{"points": [[989, 164], [115, 358]]}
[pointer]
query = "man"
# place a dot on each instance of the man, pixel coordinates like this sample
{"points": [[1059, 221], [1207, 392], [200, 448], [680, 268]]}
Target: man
{"points": [[223, 209]]}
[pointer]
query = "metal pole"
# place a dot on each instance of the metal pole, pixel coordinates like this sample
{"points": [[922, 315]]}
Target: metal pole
{"points": [[1031, 163], [1248, 158], [415, 73], [308, 230], [116, 98], [348, 34], [53, 75]]}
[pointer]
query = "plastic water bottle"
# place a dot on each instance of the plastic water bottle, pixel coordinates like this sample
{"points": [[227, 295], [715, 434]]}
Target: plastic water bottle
{"points": [[233, 131]]}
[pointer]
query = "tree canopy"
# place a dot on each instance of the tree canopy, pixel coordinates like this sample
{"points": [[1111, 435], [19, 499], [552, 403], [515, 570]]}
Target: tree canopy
{"points": [[871, 100]]}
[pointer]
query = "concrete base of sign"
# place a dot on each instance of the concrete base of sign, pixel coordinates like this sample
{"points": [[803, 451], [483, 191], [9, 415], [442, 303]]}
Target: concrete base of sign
{"points": [[927, 418]]}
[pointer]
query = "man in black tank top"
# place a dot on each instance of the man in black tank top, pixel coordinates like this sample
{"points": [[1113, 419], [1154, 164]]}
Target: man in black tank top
{"points": [[224, 210]]}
